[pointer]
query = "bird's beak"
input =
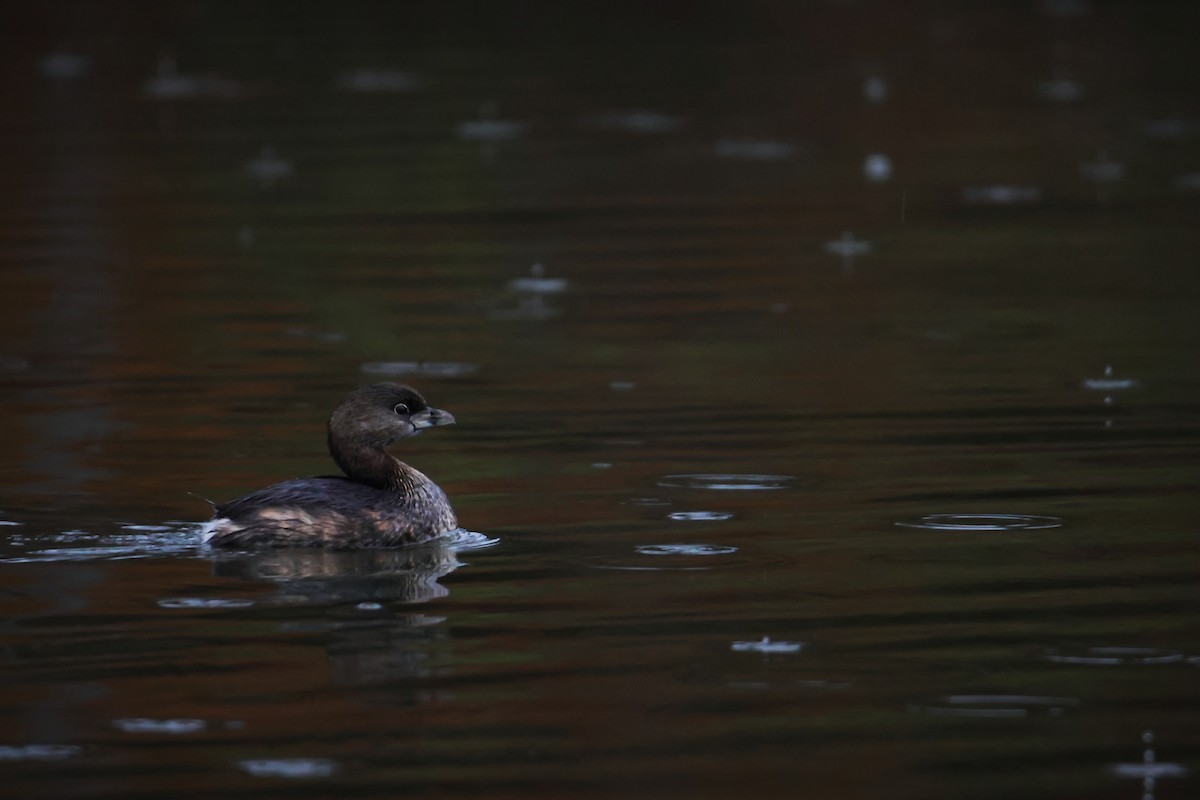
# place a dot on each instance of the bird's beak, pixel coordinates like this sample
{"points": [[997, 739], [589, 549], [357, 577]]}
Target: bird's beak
{"points": [[431, 418]]}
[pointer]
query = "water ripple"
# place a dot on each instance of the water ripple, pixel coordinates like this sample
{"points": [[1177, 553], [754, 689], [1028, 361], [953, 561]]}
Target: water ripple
{"points": [[1115, 656], [38, 752], [818, 683], [647, 501], [433, 369], [461, 539], [765, 645], [204, 602], [994, 706], [1109, 383], [727, 481], [171, 726], [172, 539], [685, 550], [289, 767], [753, 149], [699, 516], [671, 557], [982, 522]]}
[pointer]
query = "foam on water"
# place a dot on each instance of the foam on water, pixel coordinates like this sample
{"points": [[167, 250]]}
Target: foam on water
{"points": [[461, 539], [174, 539], [169, 540]]}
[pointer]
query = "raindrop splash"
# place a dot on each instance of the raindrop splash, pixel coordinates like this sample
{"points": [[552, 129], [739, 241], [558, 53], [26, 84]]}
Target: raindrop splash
{"points": [[1149, 769], [877, 168], [538, 283], [848, 248], [766, 646], [1109, 383]]}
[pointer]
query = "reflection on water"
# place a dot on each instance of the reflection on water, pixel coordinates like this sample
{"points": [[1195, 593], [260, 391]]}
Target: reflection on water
{"points": [[693, 434], [438, 369], [325, 577]]}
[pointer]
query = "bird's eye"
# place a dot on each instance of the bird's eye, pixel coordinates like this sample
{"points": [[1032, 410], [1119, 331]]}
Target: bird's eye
{"points": [[401, 409]]}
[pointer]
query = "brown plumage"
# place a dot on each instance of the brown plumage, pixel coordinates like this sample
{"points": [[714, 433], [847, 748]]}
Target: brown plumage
{"points": [[381, 502]]}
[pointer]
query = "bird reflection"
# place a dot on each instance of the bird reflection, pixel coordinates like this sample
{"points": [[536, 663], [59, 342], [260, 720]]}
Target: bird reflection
{"points": [[318, 576], [367, 644]]}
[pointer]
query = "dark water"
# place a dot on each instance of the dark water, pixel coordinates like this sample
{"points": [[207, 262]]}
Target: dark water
{"points": [[843, 444]]}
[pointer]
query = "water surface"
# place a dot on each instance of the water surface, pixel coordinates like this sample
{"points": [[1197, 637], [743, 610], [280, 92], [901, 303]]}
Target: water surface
{"points": [[806, 476]]}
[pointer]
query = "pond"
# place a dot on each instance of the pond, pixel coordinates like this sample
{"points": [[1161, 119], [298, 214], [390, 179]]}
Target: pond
{"points": [[824, 376]]}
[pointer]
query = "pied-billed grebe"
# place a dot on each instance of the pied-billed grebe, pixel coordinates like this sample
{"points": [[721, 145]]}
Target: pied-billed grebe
{"points": [[382, 502]]}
